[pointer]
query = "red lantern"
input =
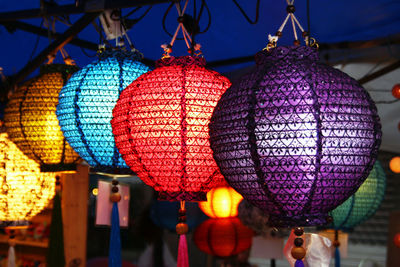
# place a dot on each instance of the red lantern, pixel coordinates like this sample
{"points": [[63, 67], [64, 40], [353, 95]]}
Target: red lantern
{"points": [[396, 91], [223, 237], [160, 125], [396, 240]]}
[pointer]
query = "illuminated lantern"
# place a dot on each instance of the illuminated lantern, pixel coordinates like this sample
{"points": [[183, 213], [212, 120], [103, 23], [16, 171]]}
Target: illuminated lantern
{"points": [[31, 121], [165, 214], [160, 124], [223, 237], [396, 240], [363, 204], [85, 107], [396, 91], [394, 164], [24, 190], [222, 202], [295, 137]]}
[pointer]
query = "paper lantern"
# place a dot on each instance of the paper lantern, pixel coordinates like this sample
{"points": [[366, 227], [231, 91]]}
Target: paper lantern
{"points": [[85, 107], [295, 137], [396, 240], [160, 124], [223, 237], [394, 164], [364, 203], [396, 91], [222, 202], [24, 190], [31, 121], [165, 214]]}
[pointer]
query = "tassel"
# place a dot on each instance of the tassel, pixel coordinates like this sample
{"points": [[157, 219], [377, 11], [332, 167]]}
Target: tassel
{"points": [[11, 257], [299, 263], [183, 258], [337, 257], [181, 229], [55, 252], [114, 257]]}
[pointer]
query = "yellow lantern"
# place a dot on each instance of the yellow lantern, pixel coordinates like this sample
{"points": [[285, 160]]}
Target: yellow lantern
{"points": [[24, 190], [31, 121], [222, 202], [395, 164]]}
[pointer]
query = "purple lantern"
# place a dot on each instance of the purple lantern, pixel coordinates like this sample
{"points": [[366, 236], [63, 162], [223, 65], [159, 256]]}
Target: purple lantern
{"points": [[295, 137]]}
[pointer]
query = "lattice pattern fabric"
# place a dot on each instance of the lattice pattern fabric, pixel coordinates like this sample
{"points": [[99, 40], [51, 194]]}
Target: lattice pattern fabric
{"points": [[364, 203], [160, 124], [24, 190], [295, 137], [86, 103], [223, 237], [31, 121]]}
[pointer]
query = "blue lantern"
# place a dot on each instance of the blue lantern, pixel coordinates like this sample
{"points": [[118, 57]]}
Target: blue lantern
{"points": [[363, 204], [85, 107]]}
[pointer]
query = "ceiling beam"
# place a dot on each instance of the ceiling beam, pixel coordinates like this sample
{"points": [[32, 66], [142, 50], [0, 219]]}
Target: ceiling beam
{"points": [[12, 25], [63, 39], [44, 32], [380, 72], [87, 7]]}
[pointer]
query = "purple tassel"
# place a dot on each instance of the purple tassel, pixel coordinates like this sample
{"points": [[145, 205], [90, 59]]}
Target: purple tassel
{"points": [[299, 263]]}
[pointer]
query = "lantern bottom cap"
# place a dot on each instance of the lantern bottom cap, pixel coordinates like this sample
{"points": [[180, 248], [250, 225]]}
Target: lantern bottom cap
{"points": [[21, 224], [110, 171], [179, 196], [60, 167], [299, 220]]}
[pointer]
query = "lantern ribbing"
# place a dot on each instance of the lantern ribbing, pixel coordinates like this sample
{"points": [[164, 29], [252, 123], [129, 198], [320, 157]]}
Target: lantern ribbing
{"points": [[160, 124], [31, 121], [295, 137], [85, 107]]}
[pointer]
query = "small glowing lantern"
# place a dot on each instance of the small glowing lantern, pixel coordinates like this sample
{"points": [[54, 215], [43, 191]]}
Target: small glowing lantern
{"points": [[24, 190], [394, 164], [222, 202], [223, 237], [396, 91], [160, 124], [86, 103], [31, 121]]}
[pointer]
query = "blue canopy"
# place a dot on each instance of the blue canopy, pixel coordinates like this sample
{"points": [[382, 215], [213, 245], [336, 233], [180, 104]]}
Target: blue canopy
{"points": [[230, 35]]}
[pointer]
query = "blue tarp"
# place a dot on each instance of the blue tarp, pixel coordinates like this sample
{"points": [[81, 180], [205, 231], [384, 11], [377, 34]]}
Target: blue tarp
{"points": [[230, 35]]}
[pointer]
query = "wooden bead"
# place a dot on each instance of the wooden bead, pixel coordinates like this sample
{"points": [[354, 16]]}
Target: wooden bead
{"points": [[182, 228], [298, 253], [298, 242], [115, 197], [298, 231], [336, 243]]}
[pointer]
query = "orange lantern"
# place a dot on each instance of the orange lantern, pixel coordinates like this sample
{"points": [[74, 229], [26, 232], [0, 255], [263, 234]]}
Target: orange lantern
{"points": [[223, 237], [395, 164], [222, 202], [396, 240], [396, 91]]}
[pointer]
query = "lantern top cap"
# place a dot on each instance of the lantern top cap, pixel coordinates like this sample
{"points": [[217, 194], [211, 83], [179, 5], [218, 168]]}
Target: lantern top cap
{"points": [[62, 68], [288, 52], [183, 61], [134, 55]]}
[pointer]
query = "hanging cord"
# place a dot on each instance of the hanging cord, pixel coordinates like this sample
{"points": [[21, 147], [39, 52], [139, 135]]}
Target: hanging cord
{"points": [[186, 36], [290, 9], [203, 7], [51, 29], [245, 15]]}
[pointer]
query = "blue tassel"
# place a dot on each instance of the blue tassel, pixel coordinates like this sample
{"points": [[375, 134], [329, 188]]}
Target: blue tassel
{"points": [[114, 257], [299, 263], [337, 257]]}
